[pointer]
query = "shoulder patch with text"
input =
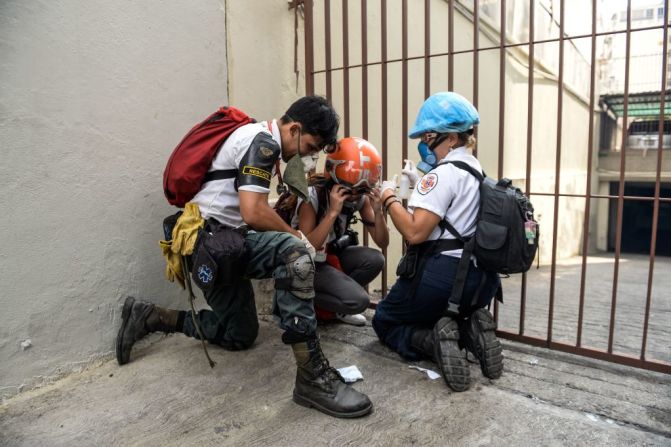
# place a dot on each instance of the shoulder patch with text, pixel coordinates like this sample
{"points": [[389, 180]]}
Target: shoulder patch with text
{"points": [[427, 183], [256, 172]]}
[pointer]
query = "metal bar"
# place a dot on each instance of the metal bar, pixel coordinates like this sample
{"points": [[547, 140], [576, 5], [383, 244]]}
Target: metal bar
{"points": [[603, 196], [364, 68], [327, 50], [345, 60], [476, 62], [450, 45], [502, 107], [560, 110], [657, 365], [404, 80], [655, 211], [502, 87], [385, 170], [620, 201], [309, 48], [427, 48], [498, 47], [530, 120], [588, 183], [364, 86]]}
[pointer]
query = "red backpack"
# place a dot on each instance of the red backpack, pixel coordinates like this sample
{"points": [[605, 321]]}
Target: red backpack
{"points": [[186, 171]]}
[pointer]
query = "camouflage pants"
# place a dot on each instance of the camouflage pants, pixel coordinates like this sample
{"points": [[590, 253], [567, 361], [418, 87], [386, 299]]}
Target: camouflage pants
{"points": [[232, 322]]}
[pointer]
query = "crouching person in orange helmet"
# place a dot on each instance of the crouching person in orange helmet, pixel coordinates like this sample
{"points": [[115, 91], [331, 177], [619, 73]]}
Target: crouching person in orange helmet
{"points": [[343, 267]]}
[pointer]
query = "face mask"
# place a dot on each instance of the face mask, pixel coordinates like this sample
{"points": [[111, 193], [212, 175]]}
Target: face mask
{"points": [[294, 177], [309, 162], [429, 160]]}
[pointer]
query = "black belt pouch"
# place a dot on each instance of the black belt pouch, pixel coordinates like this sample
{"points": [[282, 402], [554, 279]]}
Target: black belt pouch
{"points": [[219, 256], [407, 266]]}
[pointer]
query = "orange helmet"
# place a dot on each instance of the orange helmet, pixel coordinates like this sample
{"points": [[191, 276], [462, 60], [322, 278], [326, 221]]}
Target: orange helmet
{"points": [[355, 163]]}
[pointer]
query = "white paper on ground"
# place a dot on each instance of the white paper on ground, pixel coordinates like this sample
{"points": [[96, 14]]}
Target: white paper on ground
{"points": [[432, 374], [350, 373]]}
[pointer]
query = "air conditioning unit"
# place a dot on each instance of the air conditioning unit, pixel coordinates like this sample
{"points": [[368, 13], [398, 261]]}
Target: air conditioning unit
{"points": [[643, 134]]}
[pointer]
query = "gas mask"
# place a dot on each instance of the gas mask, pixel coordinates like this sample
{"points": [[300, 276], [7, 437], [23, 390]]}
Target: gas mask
{"points": [[429, 160]]}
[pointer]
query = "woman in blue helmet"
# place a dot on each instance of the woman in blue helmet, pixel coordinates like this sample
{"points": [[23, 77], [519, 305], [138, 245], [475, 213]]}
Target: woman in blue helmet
{"points": [[412, 319]]}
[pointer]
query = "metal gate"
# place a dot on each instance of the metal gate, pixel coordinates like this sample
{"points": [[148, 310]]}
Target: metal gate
{"points": [[560, 86]]}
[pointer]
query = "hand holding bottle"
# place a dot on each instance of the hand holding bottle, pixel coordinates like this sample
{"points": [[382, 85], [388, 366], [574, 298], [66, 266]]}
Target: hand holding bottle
{"points": [[409, 178], [411, 171]]}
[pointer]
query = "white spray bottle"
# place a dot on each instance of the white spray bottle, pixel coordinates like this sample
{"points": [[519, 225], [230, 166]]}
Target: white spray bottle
{"points": [[404, 186]]}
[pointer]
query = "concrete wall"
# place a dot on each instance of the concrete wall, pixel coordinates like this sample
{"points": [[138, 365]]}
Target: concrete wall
{"points": [[261, 74], [94, 96]]}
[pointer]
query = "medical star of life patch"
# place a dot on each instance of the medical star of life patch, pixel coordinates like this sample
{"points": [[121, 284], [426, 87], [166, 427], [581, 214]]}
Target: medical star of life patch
{"points": [[256, 172], [205, 274], [427, 183]]}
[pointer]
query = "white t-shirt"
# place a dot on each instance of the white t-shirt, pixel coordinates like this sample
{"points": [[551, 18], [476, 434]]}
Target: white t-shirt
{"points": [[452, 194], [218, 199]]}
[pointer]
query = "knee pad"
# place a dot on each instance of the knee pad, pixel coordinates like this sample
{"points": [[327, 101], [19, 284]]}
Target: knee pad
{"points": [[298, 273], [302, 271]]}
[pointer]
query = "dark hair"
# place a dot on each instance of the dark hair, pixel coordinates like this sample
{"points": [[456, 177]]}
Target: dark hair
{"points": [[317, 117]]}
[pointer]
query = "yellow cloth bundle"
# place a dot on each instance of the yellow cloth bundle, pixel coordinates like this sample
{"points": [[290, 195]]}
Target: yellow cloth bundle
{"points": [[184, 237]]}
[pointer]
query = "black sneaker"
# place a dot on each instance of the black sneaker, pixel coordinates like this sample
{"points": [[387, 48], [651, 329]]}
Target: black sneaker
{"points": [[480, 339], [450, 358]]}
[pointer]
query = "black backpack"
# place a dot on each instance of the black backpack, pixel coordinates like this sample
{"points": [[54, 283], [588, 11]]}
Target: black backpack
{"points": [[506, 234]]}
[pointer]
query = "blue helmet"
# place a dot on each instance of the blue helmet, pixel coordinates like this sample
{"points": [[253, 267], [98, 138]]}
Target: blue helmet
{"points": [[445, 112]]}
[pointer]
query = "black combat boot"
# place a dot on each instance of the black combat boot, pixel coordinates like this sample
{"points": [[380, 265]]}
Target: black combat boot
{"points": [[480, 338], [138, 319], [422, 341], [321, 386], [449, 356]]}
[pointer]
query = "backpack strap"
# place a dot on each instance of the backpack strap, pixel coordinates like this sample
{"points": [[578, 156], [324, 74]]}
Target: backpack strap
{"points": [[220, 174], [444, 224], [455, 300], [466, 167], [454, 303]]}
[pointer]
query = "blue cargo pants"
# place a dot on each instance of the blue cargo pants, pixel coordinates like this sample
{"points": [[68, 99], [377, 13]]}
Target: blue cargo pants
{"points": [[398, 315]]}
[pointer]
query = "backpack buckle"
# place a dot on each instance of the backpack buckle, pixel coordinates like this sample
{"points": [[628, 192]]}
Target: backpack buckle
{"points": [[504, 183]]}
